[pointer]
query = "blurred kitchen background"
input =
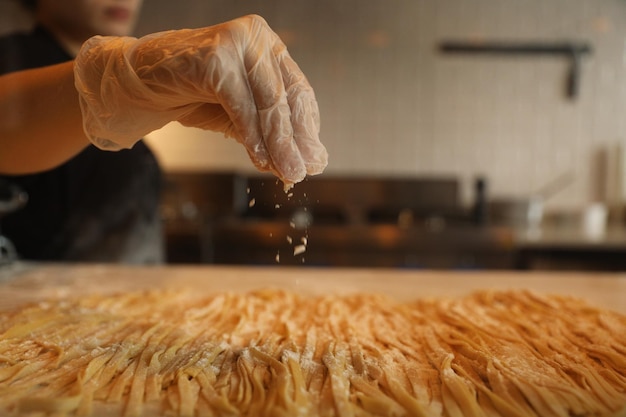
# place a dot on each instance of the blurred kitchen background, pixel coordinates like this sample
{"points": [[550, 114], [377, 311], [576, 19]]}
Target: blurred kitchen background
{"points": [[437, 159]]}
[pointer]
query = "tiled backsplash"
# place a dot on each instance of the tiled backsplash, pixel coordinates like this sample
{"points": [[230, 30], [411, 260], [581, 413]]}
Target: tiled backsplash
{"points": [[391, 103]]}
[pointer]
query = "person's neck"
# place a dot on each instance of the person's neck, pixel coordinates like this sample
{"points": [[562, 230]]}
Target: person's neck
{"points": [[70, 43]]}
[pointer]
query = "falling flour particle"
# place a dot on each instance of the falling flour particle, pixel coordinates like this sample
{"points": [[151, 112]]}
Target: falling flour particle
{"points": [[277, 206], [248, 190], [277, 257], [299, 249], [252, 203], [292, 224], [289, 239], [289, 195], [304, 240]]}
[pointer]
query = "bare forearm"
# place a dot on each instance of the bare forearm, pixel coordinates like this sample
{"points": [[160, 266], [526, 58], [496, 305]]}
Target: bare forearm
{"points": [[40, 119]]}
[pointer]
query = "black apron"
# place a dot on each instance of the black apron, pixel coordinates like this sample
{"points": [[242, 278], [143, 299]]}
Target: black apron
{"points": [[100, 206]]}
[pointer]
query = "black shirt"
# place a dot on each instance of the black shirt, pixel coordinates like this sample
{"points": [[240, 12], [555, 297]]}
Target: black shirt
{"points": [[99, 206]]}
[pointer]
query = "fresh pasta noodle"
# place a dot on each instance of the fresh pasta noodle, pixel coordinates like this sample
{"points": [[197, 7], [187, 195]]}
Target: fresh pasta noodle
{"points": [[278, 353]]}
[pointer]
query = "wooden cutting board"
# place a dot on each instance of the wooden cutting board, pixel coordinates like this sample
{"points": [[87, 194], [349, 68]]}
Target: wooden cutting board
{"points": [[26, 282]]}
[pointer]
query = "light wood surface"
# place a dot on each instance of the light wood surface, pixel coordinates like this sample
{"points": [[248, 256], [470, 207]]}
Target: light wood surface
{"points": [[21, 283]]}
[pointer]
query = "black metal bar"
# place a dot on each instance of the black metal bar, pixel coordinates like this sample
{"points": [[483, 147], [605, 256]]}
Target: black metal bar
{"points": [[522, 48], [572, 50]]}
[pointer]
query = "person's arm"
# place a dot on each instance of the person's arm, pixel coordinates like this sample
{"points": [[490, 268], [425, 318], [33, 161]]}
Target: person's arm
{"points": [[40, 119], [236, 78]]}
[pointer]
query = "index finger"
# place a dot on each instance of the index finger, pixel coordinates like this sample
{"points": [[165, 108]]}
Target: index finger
{"points": [[305, 115], [268, 89]]}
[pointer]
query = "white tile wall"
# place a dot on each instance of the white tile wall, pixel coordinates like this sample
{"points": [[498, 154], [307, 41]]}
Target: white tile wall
{"points": [[392, 104]]}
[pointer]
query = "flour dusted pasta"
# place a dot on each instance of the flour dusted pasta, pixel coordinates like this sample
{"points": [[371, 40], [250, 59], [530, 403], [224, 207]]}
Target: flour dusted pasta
{"points": [[277, 353]]}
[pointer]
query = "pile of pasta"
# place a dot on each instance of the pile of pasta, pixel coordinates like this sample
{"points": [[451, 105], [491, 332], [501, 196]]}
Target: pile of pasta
{"points": [[278, 353]]}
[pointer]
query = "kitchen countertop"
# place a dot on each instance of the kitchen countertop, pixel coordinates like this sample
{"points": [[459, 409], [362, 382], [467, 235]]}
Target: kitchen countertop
{"points": [[570, 248], [21, 283], [614, 238]]}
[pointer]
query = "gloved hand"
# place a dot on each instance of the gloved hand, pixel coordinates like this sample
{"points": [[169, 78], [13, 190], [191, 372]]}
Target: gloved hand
{"points": [[236, 78]]}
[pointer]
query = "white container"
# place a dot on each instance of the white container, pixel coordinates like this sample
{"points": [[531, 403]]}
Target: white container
{"points": [[594, 220]]}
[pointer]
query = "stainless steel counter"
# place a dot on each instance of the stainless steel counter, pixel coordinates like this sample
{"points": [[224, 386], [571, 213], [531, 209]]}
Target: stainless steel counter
{"points": [[569, 248]]}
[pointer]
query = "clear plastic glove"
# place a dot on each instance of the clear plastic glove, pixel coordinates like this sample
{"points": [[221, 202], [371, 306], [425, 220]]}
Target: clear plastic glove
{"points": [[236, 78]]}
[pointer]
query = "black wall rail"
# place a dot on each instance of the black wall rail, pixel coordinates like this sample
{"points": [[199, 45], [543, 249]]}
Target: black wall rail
{"points": [[570, 50]]}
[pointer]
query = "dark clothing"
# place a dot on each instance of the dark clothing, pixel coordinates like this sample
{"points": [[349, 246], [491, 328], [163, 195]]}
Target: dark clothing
{"points": [[99, 206]]}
